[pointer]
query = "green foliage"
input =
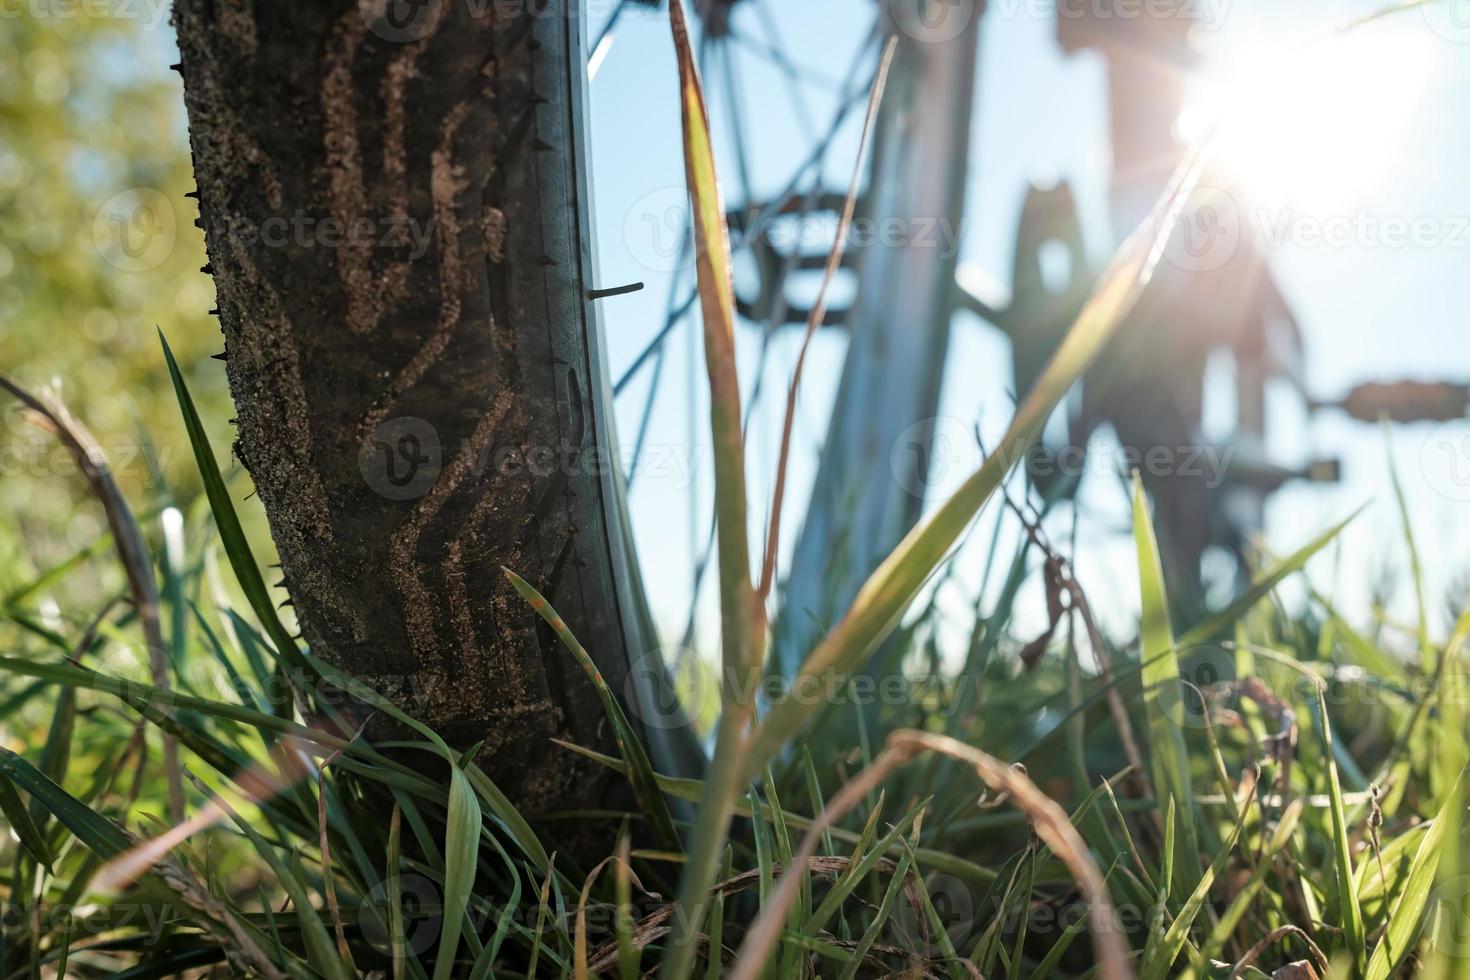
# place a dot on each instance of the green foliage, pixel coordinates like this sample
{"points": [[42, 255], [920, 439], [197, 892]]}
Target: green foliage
{"points": [[311, 849], [97, 237], [458, 883]]}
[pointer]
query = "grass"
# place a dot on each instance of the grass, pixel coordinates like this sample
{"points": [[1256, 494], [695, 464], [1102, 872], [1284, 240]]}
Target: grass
{"points": [[995, 813], [310, 851]]}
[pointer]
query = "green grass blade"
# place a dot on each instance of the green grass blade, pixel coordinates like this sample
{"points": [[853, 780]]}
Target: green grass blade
{"points": [[1349, 911], [96, 832], [107, 840], [937, 927], [814, 794], [1157, 967], [715, 960], [630, 747], [1261, 587], [765, 861], [1280, 838], [628, 955], [1161, 682], [227, 521], [689, 789], [881, 601], [461, 848], [860, 868], [506, 813], [1407, 917], [19, 818], [1416, 565], [880, 917], [782, 846], [321, 950], [1045, 969], [543, 909], [397, 945], [742, 613]]}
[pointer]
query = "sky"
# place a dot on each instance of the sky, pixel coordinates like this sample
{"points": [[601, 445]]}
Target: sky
{"points": [[1364, 140]]}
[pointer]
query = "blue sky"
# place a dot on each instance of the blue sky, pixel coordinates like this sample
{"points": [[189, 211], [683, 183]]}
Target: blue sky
{"points": [[1371, 307]]}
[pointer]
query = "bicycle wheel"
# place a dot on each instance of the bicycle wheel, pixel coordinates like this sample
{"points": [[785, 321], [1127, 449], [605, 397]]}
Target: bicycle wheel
{"points": [[394, 204]]}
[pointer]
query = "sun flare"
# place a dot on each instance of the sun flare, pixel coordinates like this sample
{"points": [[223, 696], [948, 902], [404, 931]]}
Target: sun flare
{"points": [[1310, 125]]}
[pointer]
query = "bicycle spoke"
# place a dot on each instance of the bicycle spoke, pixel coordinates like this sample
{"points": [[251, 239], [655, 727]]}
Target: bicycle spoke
{"points": [[604, 42]]}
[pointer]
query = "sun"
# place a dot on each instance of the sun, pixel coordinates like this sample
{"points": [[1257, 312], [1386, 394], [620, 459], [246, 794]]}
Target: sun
{"points": [[1310, 125]]}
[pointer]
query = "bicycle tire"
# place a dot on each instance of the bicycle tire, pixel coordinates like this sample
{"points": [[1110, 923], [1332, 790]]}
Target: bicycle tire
{"points": [[417, 412]]}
